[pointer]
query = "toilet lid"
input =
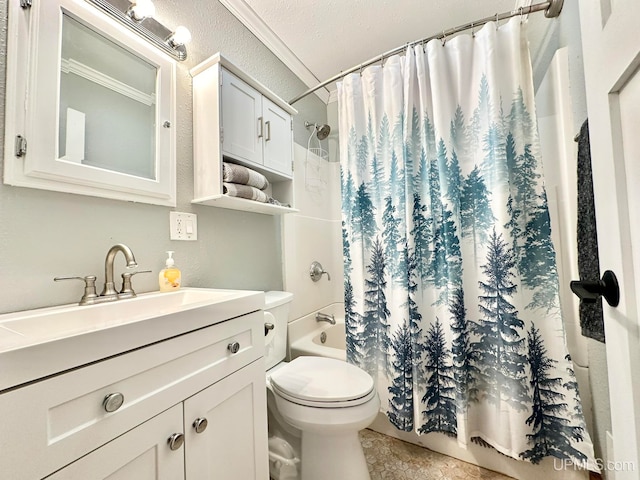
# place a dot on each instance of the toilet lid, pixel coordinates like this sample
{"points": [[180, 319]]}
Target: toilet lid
{"points": [[321, 380]]}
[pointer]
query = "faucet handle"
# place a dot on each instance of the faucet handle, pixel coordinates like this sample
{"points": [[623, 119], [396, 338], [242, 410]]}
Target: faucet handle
{"points": [[316, 271], [89, 288], [127, 289]]}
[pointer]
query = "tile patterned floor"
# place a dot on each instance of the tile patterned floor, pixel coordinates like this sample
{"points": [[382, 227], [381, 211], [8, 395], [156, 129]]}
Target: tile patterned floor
{"points": [[392, 459]]}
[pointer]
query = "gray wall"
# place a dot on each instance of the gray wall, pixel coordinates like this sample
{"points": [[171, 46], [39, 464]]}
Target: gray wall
{"points": [[44, 234], [546, 37]]}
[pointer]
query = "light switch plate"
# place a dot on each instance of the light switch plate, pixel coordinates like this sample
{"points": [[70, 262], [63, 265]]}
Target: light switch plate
{"points": [[183, 226]]}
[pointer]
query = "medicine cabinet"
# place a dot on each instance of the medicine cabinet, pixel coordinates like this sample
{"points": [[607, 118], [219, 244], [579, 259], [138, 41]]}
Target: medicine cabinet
{"points": [[90, 105]]}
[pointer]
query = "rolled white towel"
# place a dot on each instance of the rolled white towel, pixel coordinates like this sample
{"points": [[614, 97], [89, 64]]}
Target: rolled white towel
{"points": [[234, 173]]}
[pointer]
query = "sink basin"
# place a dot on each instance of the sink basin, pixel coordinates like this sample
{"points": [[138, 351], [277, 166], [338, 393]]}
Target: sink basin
{"points": [[36, 343], [72, 319]]}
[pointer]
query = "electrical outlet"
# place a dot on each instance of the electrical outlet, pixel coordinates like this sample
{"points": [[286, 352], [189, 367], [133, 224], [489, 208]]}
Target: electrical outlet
{"points": [[183, 226]]}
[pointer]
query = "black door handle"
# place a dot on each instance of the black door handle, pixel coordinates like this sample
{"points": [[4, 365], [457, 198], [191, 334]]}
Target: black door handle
{"points": [[589, 292]]}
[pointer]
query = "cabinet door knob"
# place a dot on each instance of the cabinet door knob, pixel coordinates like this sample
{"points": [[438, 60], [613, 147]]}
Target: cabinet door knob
{"points": [[200, 424], [268, 326], [113, 402], [233, 347], [175, 441]]}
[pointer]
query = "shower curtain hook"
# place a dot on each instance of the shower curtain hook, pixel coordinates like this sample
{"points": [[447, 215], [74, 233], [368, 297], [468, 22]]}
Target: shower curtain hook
{"points": [[473, 32], [521, 14], [444, 38], [497, 21]]}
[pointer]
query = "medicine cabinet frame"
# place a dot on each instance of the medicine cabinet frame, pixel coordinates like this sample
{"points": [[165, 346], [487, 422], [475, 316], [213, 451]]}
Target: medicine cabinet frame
{"points": [[32, 119]]}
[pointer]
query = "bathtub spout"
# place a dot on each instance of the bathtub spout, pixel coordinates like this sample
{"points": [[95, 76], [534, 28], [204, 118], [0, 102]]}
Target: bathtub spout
{"points": [[323, 317]]}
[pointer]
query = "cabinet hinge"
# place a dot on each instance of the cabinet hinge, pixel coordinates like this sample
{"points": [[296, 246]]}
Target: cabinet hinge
{"points": [[292, 125], [292, 165], [221, 134], [26, 3], [21, 146]]}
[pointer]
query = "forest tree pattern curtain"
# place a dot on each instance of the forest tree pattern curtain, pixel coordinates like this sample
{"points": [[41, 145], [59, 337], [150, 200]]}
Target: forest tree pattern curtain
{"points": [[451, 286]]}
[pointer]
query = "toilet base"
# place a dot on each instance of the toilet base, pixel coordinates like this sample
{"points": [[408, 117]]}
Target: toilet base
{"points": [[333, 456]]}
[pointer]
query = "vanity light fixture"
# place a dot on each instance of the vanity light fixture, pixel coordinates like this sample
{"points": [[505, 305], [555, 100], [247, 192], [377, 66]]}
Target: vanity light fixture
{"points": [[137, 15], [182, 36], [141, 9]]}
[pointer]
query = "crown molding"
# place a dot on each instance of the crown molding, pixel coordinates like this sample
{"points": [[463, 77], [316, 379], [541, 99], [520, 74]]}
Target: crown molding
{"points": [[254, 23]]}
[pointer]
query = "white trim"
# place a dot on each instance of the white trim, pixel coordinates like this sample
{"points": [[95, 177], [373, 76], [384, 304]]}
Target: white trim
{"points": [[256, 25], [73, 66]]}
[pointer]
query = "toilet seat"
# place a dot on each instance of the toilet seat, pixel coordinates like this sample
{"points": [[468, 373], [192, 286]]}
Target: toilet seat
{"points": [[322, 382]]}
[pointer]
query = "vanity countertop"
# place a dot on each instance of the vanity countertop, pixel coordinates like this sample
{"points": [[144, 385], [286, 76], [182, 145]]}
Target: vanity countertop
{"points": [[42, 342]]}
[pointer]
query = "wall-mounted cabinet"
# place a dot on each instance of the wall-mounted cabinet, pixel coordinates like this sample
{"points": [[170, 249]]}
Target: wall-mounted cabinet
{"points": [[238, 120]]}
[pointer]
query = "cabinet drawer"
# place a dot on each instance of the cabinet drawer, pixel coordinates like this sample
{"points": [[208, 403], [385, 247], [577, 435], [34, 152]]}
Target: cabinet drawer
{"points": [[50, 423]]}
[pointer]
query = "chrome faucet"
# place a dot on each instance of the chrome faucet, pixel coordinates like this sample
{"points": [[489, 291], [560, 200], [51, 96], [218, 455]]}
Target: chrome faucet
{"points": [[323, 317], [109, 291]]}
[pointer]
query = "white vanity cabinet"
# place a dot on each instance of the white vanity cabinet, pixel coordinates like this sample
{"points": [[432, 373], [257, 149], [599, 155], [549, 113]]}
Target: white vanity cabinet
{"points": [[237, 119], [212, 378]]}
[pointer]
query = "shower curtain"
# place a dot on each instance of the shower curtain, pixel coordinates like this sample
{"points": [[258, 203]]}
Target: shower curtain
{"points": [[451, 287]]}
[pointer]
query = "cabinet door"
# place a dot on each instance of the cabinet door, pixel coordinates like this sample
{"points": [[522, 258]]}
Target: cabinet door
{"points": [[234, 443], [241, 119], [278, 138], [142, 453]]}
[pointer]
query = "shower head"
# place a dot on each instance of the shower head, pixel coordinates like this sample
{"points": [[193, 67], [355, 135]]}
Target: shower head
{"points": [[322, 131]]}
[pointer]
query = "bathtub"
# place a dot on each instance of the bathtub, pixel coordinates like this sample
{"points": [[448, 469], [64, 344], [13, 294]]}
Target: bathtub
{"points": [[310, 337]]}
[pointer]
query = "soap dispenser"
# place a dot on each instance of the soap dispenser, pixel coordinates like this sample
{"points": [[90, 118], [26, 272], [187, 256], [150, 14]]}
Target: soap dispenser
{"points": [[169, 277]]}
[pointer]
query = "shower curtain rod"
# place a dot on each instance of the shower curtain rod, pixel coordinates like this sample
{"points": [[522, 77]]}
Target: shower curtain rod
{"points": [[551, 9]]}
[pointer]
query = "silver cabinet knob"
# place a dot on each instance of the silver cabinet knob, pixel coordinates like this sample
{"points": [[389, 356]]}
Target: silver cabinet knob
{"points": [[200, 424], [233, 347], [113, 402], [175, 441], [268, 327]]}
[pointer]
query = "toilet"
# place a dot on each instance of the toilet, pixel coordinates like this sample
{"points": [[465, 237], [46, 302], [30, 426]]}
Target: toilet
{"points": [[316, 406]]}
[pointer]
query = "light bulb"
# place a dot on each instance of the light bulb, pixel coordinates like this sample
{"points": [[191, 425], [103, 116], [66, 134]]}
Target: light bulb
{"points": [[142, 9], [181, 36]]}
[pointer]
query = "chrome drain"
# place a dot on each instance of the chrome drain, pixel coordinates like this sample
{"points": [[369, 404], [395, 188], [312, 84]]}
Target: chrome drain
{"points": [[323, 337]]}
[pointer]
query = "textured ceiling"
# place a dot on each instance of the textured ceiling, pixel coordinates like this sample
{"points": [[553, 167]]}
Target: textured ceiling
{"points": [[334, 35]]}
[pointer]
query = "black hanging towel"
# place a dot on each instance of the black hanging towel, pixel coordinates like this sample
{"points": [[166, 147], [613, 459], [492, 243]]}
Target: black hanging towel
{"points": [[591, 319]]}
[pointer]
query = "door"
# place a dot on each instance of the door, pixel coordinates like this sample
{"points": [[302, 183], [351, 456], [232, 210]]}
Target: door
{"points": [[612, 73], [233, 444], [142, 454], [278, 138], [242, 120]]}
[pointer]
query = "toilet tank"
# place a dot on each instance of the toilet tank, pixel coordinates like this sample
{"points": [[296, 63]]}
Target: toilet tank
{"points": [[276, 312]]}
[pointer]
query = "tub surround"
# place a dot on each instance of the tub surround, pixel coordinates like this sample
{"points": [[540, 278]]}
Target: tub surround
{"points": [[304, 335], [313, 234]]}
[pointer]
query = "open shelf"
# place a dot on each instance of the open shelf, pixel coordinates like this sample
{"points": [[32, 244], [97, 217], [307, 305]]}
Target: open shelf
{"points": [[235, 203]]}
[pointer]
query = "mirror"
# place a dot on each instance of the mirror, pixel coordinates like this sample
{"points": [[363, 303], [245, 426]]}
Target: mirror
{"points": [[106, 92], [100, 106]]}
